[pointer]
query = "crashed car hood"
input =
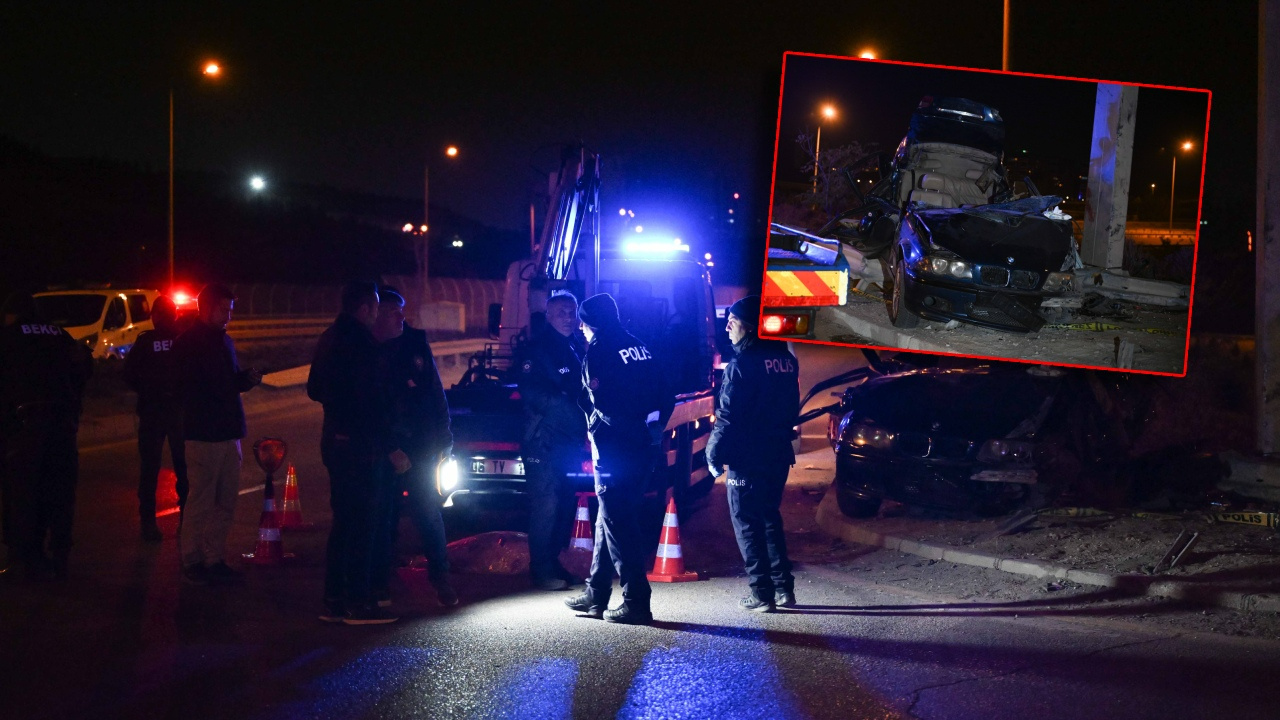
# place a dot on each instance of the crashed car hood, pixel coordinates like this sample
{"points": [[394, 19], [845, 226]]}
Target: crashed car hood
{"points": [[1015, 234], [977, 404]]}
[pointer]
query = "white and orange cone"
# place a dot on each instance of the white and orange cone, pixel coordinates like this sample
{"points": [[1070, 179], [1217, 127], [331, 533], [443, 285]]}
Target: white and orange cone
{"points": [[583, 537], [291, 506], [270, 548], [668, 566]]}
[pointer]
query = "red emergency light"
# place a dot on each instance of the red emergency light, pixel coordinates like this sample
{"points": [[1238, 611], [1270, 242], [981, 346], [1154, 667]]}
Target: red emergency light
{"points": [[785, 325]]}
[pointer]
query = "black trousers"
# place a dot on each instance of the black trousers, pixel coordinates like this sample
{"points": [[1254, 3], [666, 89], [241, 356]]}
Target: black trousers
{"points": [[755, 501], [423, 506], [41, 465], [354, 499], [620, 474], [551, 505], [153, 430]]}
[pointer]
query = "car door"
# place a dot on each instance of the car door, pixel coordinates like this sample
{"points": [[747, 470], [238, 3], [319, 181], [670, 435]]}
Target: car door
{"points": [[116, 329]]}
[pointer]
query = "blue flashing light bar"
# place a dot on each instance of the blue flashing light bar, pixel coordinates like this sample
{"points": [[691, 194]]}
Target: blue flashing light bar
{"points": [[654, 247]]}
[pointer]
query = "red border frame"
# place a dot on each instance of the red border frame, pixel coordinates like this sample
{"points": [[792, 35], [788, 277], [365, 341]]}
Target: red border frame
{"points": [[1195, 255]]}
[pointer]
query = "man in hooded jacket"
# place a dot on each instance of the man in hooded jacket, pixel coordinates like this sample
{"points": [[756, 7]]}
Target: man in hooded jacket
{"points": [[755, 418]]}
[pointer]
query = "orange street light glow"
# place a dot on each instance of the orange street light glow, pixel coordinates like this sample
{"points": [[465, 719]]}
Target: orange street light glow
{"points": [[867, 54], [828, 111], [1187, 145], [451, 151], [212, 69]]}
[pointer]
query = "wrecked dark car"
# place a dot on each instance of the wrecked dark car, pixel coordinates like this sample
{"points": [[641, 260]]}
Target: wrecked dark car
{"points": [[981, 438], [957, 241]]}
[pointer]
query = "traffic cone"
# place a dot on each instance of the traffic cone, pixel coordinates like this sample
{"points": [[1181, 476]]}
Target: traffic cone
{"points": [[290, 506], [668, 566], [583, 537], [270, 549]]}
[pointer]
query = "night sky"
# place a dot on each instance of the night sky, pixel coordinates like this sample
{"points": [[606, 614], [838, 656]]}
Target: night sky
{"points": [[680, 102]]}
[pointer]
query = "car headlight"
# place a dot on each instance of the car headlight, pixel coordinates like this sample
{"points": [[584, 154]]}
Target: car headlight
{"points": [[868, 436], [1058, 281], [946, 265], [447, 476], [1007, 451]]}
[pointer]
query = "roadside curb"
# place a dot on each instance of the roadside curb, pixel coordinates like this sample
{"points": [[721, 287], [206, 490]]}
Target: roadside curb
{"points": [[835, 524]]}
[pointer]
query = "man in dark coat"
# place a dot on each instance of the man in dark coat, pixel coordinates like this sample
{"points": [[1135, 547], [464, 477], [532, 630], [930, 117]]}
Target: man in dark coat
{"points": [[755, 416], [353, 443], [626, 403], [420, 437], [42, 380], [210, 381], [550, 378], [151, 370]]}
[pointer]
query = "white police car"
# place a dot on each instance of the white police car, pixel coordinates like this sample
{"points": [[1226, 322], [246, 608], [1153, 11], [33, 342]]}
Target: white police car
{"points": [[108, 321]]}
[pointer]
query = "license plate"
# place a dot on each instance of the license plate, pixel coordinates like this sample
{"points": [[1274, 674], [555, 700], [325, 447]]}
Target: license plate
{"points": [[497, 467]]}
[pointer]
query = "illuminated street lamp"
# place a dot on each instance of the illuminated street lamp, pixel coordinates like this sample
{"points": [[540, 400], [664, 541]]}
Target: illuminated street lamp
{"points": [[424, 247], [212, 70], [828, 112], [1186, 145], [257, 183], [867, 54]]}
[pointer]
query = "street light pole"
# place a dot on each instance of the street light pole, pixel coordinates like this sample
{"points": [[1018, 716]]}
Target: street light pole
{"points": [[817, 149], [1172, 179], [170, 189]]}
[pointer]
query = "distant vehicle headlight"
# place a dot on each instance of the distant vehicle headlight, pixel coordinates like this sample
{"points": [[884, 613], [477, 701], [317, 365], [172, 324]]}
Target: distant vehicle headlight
{"points": [[868, 436], [1058, 281], [1018, 452], [447, 476]]}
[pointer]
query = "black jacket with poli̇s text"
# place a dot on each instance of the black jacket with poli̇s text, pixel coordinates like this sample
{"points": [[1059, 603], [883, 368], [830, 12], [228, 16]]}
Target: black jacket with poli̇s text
{"points": [[757, 408], [623, 384]]}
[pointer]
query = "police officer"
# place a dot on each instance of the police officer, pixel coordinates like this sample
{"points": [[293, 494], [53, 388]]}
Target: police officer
{"points": [[625, 402], [150, 370], [755, 415], [550, 380], [42, 381], [345, 379], [420, 437]]}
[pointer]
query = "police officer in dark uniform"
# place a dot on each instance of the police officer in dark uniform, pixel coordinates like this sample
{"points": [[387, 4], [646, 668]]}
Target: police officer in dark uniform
{"points": [[550, 379], [151, 370], [420, 437], [42, 382], [626, 405], [755, 415]]}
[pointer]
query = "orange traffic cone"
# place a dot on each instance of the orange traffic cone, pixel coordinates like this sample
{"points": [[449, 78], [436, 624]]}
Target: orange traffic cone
{"points": [[290, 506], [583, 537], [270, 549], [668, 566]]}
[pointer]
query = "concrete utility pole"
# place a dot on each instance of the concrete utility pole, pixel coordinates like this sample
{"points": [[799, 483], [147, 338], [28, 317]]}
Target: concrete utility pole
{"points": [[1267, 231], [1107, 204]]}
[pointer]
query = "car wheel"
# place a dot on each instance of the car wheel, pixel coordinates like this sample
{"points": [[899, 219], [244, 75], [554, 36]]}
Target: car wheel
{"points": [[899, 315], [854, 505]]}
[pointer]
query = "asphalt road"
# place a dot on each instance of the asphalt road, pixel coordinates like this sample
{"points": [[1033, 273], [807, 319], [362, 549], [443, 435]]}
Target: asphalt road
{"points": [[123, 638]]}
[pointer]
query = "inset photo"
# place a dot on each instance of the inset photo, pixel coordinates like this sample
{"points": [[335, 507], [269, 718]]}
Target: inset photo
{"points": [[1049, 220]]}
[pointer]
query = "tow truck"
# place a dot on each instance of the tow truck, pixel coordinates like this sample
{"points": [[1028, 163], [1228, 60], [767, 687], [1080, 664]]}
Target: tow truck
{"points": [[803, 273], [663, 297]]}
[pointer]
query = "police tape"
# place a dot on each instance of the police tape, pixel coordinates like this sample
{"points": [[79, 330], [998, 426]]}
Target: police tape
{"points": [[1260, 519], [1093, 326], [1248, 517], [864, 293], [1162, 331], [1075, 512]]}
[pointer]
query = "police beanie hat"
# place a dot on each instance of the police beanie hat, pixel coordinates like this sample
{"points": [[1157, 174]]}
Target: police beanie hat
{"points": [[599, 311], [747, 310]]}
